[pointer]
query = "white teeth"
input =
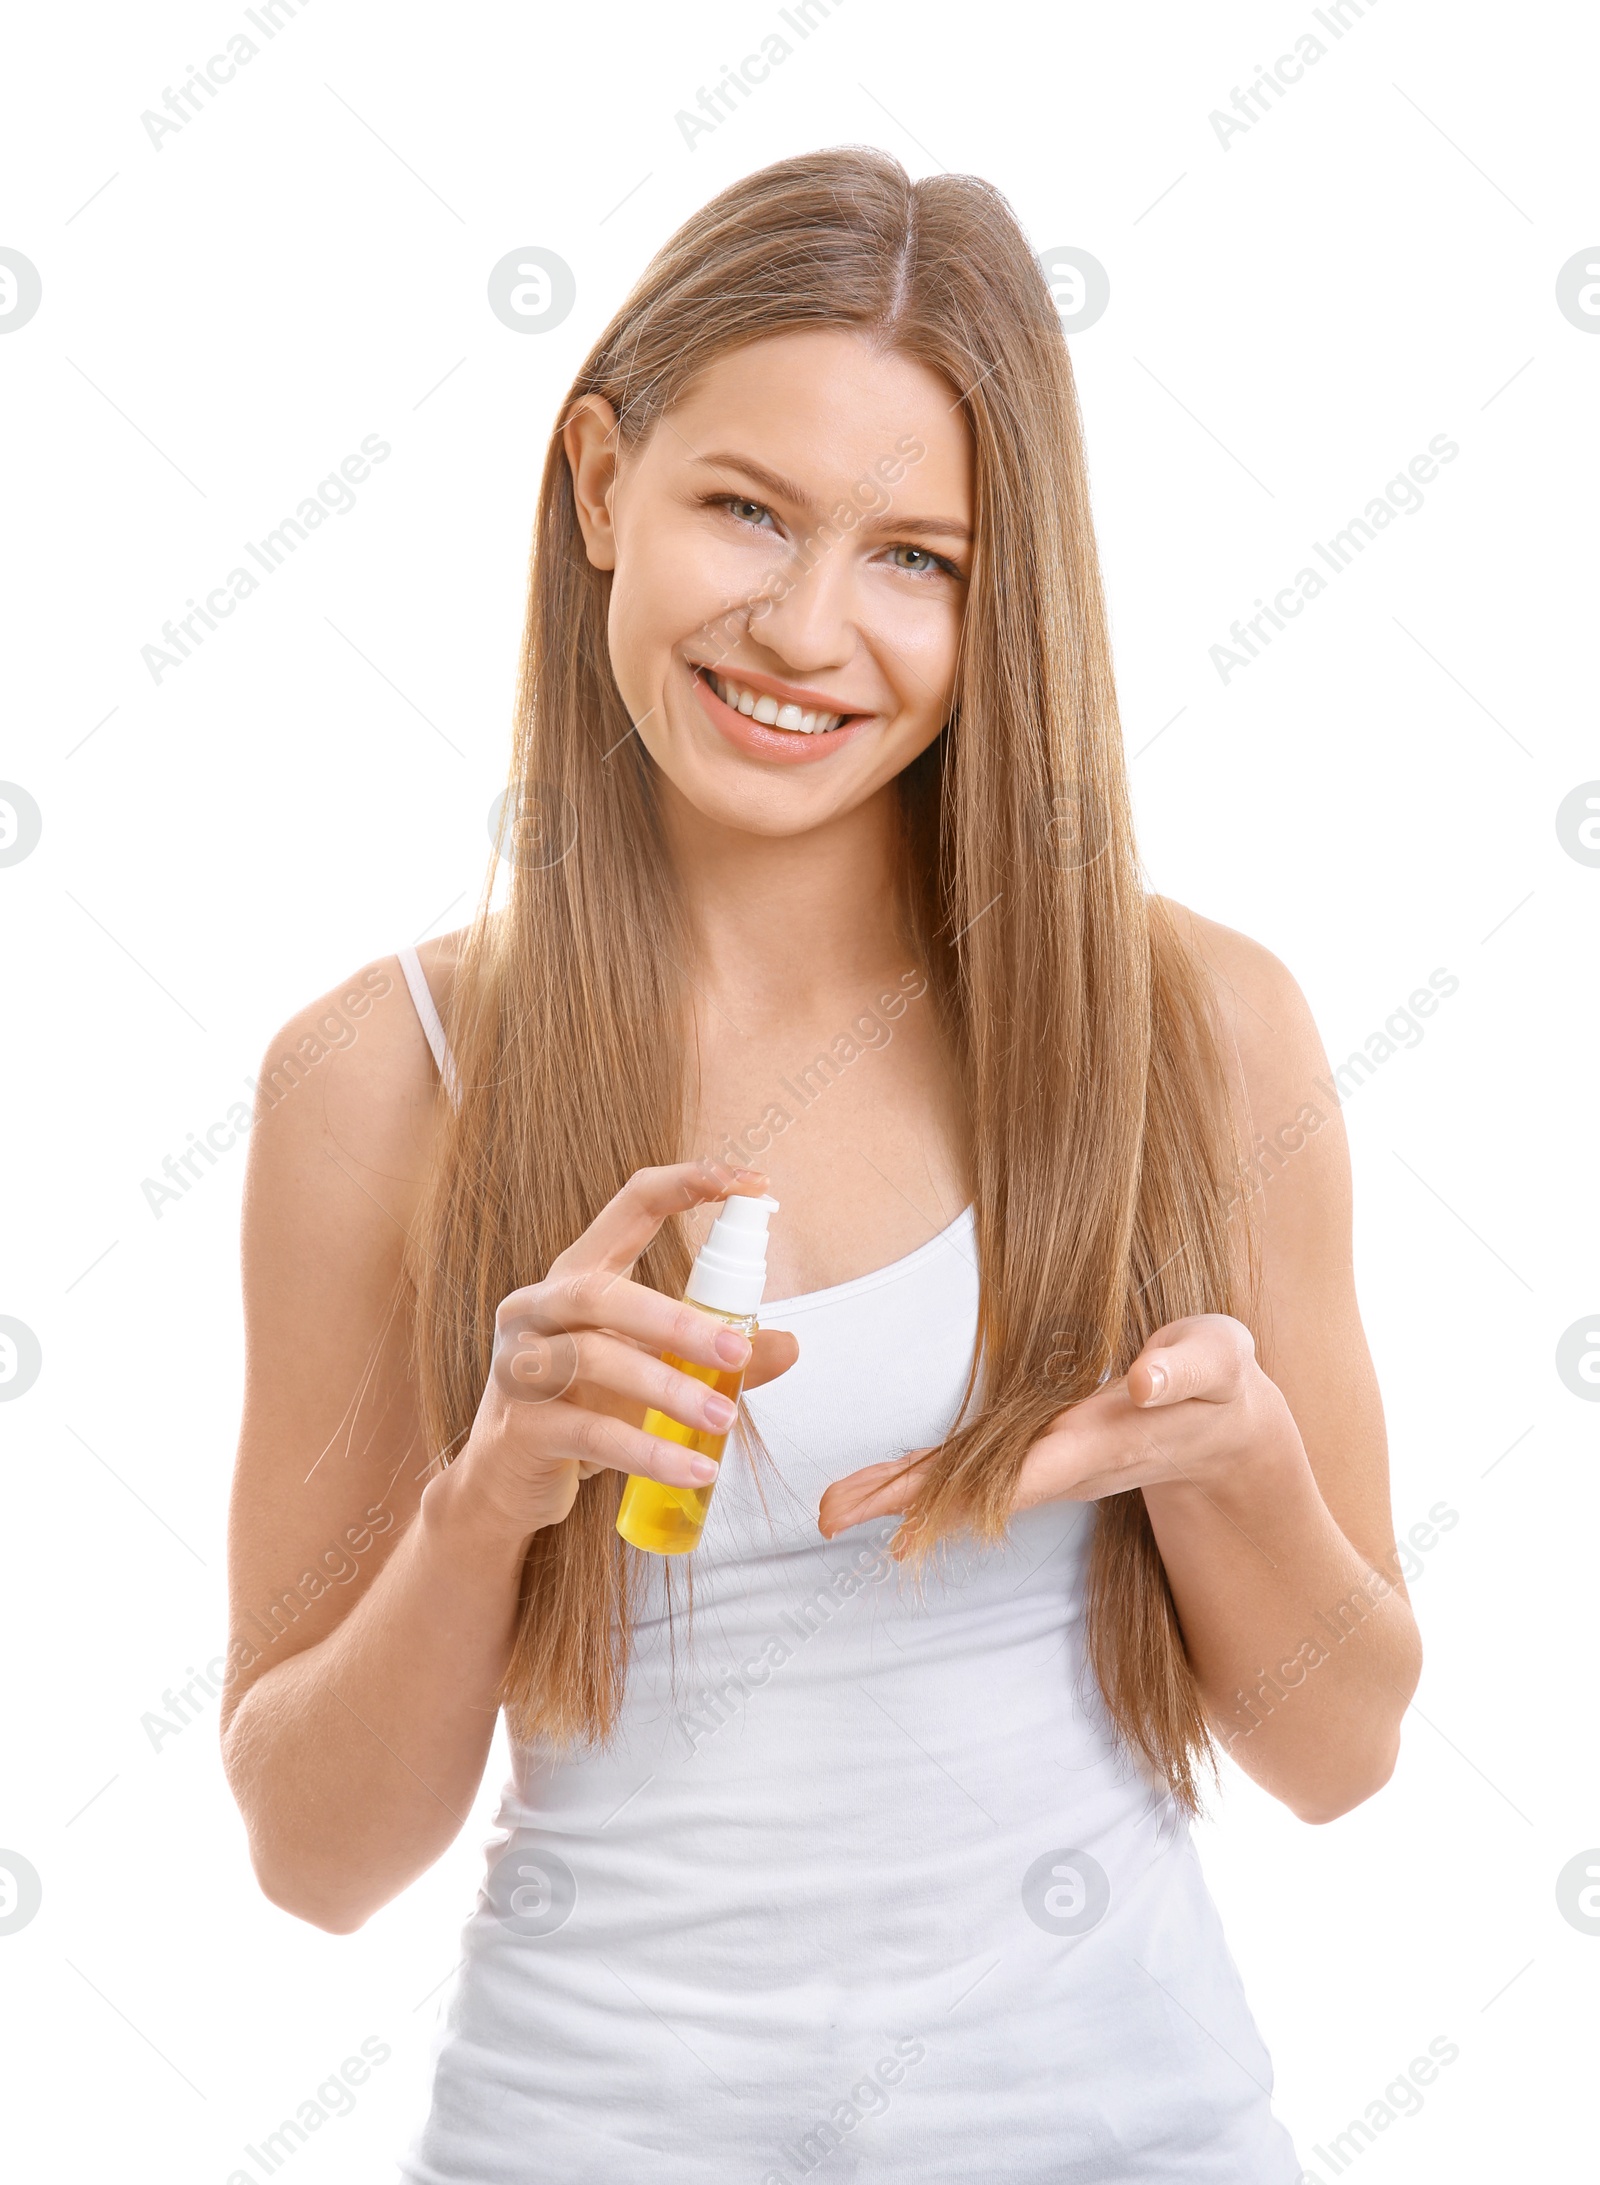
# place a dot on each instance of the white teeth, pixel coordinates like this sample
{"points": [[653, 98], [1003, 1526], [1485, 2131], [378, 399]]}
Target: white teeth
{"points": [[758, 706]]}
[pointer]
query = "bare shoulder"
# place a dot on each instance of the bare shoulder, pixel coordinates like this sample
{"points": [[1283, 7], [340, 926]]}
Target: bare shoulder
{"points": [[348, 1085], [1258, 998], [1275, 1051], [348, 1106], [1298, 1177], [1309, 1335], [348, 1103]]}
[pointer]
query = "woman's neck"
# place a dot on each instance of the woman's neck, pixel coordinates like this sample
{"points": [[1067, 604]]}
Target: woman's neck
{"points": [[783, 921]]}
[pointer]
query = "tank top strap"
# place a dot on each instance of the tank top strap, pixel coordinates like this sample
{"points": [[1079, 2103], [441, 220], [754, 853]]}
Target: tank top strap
{"points": [[432, 1023]]}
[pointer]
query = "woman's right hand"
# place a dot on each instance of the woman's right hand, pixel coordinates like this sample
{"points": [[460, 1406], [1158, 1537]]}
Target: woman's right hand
{"points": [[577, 1363]]}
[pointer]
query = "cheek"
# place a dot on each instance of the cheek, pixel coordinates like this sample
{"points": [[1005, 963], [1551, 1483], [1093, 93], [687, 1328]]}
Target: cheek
{"points": [[673, 584], [645, 621], [917, 640]]}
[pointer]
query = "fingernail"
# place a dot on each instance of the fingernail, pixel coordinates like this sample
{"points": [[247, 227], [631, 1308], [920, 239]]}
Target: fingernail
{"points": [[1158, 1382], [732, 1346], [718, 1412], [702, 1468]]}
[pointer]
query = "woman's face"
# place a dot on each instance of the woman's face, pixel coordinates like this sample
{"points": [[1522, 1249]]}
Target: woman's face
{"points": [[790, 549]]}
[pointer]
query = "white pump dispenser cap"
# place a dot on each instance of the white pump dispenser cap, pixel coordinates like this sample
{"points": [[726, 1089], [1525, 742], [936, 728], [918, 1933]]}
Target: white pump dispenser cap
{"points": [[730, 1272]]}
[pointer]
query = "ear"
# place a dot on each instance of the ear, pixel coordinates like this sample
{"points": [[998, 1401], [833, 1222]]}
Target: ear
{"points": [[590, 440]]}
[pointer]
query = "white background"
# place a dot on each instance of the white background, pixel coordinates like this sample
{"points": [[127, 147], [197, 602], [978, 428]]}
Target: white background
{"points": [[1292, 318]]}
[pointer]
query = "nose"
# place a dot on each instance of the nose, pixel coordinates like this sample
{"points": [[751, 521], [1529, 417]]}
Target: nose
{"points": [[808, 613]]}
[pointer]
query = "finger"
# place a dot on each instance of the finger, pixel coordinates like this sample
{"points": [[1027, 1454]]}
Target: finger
{"points": [[1097, 1440], [773, 1352], [1105, 1445], [625, 1224], [566, 1304], [600, 1443], [1068, 1466], [877, 1490], [1201, 1358], [600, 1372]]}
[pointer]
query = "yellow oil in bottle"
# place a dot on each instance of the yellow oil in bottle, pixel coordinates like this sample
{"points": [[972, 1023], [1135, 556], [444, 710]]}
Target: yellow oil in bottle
{"points": [[669, 1520]]}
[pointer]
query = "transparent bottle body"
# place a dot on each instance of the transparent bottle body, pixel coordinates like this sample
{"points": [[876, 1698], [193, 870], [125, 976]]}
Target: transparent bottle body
{"points": [[669, 1520]]}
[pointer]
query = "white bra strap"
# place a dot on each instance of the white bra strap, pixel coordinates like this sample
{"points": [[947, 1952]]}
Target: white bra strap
{"points": [[421, 994]]}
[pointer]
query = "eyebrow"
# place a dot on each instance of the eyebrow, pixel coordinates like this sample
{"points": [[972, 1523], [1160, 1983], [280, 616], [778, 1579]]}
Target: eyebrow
{"points": [[785, 489]]}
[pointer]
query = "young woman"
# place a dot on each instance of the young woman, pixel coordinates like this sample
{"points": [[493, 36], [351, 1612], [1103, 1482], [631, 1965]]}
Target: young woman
{"points": [[1064, 1460]]}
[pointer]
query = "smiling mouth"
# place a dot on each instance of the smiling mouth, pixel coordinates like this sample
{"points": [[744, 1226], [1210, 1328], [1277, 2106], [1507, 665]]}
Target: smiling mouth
{"points": [[759, 705]]}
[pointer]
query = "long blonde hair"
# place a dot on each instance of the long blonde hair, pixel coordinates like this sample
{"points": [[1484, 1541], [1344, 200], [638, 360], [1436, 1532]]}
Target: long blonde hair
{"points": [[1103, 1147]]}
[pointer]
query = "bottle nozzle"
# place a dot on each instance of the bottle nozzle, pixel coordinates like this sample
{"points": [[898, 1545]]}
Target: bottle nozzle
{"points": [[746, 1215], [730, 1271]]}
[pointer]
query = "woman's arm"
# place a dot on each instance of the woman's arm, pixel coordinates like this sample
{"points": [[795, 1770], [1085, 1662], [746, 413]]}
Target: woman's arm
{"points": [[374, 1597], [1283, 1564], [366, 1649], [1263, 1463]]}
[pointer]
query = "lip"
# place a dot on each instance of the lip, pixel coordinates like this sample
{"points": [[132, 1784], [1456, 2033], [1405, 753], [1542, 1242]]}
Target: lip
{"points": [[784, 746], [799, 694]]}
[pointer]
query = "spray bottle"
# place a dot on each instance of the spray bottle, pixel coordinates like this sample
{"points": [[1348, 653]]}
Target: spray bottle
{"points": [[727, 1280]]}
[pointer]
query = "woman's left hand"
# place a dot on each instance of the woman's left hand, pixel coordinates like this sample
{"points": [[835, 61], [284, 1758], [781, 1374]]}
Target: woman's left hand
{"points": [[1193, 1409]]}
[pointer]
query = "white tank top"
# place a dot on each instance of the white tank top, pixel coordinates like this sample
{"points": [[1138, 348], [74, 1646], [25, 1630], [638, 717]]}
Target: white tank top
{"points": [[866, 1885]]}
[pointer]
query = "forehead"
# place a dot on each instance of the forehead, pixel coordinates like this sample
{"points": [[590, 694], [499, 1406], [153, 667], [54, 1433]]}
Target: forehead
{"points": [[825, 406]]}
